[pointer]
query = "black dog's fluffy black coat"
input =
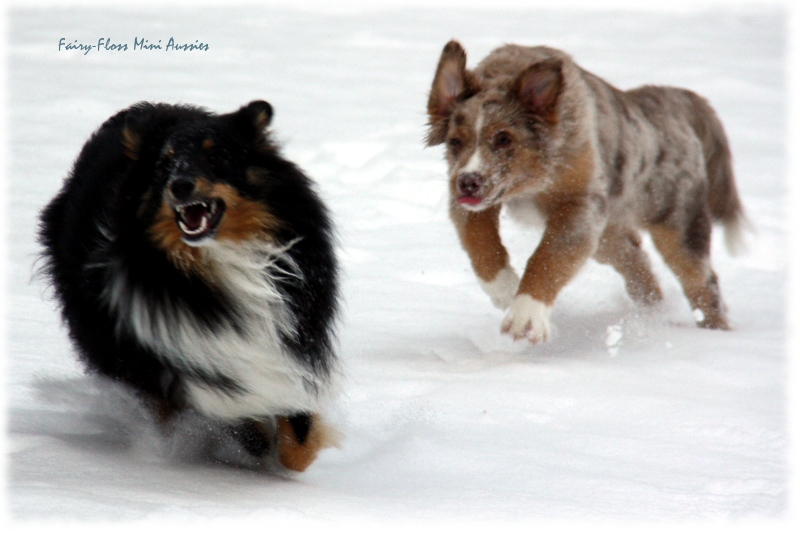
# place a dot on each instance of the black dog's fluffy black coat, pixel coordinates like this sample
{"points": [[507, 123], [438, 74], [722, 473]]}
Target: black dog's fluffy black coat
{"points": [[100, 225]]}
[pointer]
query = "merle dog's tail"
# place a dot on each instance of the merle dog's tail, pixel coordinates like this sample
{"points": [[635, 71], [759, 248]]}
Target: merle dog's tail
{"points": [[723, 198]]}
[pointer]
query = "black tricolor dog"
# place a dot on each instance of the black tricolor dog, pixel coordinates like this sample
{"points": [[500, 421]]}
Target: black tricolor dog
{"points": [[195, 264]]}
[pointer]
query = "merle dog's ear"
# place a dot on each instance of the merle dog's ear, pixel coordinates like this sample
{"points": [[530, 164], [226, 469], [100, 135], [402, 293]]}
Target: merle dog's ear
{"points": [[452, 82], [254, 118], [131, 135], [538, 88]]}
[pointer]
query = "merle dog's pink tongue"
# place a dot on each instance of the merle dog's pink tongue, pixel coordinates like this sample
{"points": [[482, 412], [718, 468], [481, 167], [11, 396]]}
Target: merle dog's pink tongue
{"points": [[193, 216], [469, 200]]}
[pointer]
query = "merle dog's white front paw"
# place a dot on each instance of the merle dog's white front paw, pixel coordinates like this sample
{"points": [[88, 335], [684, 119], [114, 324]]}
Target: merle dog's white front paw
{"points": [[502, 288], [527, 318]]}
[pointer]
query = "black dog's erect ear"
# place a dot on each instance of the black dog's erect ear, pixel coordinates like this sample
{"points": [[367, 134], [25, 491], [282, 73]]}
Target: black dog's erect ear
{"points": [[451, 83], [254, 117], [252, 121], [131, 136], [260, 112], [538, 89]]}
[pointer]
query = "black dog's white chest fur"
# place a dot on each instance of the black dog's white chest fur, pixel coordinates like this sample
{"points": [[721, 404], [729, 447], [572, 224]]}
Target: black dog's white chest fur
{"points": [[247, 358]]}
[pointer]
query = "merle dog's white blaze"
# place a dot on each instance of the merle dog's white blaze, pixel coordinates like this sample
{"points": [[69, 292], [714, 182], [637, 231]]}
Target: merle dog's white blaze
{"points": [[252, 356], [475, 162]]}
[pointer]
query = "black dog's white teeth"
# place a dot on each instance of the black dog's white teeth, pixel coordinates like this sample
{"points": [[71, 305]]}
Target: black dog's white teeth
{"points": [[193, 218], [200, 219], [197, 231]]}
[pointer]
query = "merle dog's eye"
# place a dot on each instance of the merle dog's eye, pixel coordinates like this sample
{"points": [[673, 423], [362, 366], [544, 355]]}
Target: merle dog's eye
{"points": [[455, 144], [502, 140]]}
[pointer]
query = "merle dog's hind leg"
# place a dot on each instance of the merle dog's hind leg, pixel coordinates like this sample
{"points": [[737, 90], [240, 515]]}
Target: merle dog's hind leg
{"points": [[621, 248], [687, 253]]}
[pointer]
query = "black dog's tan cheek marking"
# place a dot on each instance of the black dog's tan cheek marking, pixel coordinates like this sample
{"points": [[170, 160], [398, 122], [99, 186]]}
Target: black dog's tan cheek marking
{"points": [[166, 236], [244, 219], [208, 144]]}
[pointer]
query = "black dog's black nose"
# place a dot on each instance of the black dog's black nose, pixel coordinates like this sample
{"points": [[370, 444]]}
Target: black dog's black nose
{"points": [[470, 183], [182, 188]]}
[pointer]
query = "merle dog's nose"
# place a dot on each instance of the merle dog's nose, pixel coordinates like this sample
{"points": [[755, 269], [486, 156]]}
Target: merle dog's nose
{"points": [[182, 188], [468, 184]]}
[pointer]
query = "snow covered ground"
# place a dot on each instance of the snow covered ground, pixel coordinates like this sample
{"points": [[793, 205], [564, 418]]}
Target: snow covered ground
{"points": [[624, 416]]}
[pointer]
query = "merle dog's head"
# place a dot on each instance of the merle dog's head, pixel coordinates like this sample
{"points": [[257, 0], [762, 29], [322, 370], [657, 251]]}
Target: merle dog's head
{"points": [[498, 123]]}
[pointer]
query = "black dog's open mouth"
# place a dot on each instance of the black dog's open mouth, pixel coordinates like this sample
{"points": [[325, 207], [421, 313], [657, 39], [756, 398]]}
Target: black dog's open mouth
{"points": [[199, 220]]}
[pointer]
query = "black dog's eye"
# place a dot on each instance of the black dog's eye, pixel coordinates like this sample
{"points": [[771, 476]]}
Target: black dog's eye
{"points": [[502, 140], [455, 144]]}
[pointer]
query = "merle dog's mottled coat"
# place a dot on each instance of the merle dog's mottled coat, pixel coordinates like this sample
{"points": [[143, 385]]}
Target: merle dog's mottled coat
{"points": [[195, 264], [529, 129]]}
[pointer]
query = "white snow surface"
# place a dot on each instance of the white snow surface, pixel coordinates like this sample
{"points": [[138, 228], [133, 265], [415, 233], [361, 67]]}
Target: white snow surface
{"points": [[623, 415]]}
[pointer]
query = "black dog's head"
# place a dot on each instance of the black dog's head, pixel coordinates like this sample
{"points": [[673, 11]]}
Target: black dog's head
{"points": [[205, 183]]}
